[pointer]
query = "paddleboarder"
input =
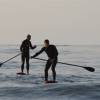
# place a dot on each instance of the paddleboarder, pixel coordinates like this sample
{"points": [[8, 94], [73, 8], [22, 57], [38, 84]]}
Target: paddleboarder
{"points": [[25, 52], [52, 54]]}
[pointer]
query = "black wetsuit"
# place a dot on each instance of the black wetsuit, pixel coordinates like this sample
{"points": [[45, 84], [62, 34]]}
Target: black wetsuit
{"points": [[52, 54], [26, 45]]}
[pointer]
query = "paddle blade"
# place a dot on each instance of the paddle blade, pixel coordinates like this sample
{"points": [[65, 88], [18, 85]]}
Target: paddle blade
{"points": [[0, 64], [89, 69]]}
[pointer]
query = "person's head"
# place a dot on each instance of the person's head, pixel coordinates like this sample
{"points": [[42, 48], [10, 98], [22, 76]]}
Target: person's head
{"points": [[46, 43], [29, 37]]}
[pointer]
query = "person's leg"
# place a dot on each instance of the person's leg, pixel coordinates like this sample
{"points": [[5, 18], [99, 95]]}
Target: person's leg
{"points": [[27, 64], [53, 69], [47, 67], [23, 62]]}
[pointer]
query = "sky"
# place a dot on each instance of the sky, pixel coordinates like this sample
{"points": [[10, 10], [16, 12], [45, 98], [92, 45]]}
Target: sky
{"points": [[63, 22]]}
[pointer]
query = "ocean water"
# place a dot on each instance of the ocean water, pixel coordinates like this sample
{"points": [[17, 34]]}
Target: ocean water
{"points": [[73, 83]]}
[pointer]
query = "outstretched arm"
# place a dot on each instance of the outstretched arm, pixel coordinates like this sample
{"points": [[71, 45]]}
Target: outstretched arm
{"points": [[38, 53], [32, 47]]}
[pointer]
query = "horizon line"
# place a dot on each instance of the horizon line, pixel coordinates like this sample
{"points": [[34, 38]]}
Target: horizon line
{"points": [[60, 44]]}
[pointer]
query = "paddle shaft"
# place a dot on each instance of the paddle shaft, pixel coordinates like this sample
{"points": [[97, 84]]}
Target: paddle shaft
{"points": [[10, 59], [61, 63]]}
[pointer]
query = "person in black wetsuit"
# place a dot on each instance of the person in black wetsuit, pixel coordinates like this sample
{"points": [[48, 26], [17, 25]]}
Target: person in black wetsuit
{"points": [[52, 54], [24, 48]]}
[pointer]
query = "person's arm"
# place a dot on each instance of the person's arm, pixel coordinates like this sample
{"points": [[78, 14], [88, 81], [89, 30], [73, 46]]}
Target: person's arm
{"points": [[32, 47], [21, 47], [38, 53]]}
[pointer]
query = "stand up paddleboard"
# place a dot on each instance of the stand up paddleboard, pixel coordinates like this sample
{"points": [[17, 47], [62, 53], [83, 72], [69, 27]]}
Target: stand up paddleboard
{"points": [[47, 82], [20, 73]]}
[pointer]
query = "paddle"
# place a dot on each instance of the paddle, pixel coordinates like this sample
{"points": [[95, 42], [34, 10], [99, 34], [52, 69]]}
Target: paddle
{"points": [[9, 59], [91, 69]]}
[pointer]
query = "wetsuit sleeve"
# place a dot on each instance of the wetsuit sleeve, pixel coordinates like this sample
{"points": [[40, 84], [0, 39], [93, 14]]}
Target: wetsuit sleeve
{"points": [[21, 47], [38, 53], [31, 46]]}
